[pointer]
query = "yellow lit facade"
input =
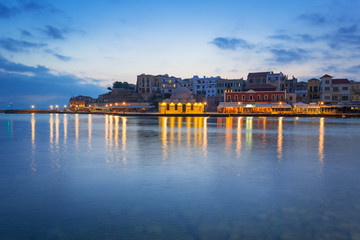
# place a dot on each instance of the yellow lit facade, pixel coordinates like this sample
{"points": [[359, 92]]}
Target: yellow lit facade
{"points": [[181, 101], [184, 107]]}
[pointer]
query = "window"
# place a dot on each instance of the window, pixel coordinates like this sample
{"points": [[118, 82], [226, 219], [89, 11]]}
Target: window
{"points": [[327, 89], [243, 97], [327, 82], [167, 107], [327, 97], [176, 107], [311, 89], [266, 97], [273, 97], [258, 97], [344, 98], [250, 97], [345, 88], [192, 107], [334, 98], [229, 98], [335, 89], [236, 98]]}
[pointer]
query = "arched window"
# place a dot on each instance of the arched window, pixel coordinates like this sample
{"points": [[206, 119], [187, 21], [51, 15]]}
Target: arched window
{"points": [[167, 107], [229, 98], [250, 97], [236, 98]]}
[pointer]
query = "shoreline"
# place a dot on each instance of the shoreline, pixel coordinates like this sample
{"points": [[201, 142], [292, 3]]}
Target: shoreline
{"points": [[206, 114]]}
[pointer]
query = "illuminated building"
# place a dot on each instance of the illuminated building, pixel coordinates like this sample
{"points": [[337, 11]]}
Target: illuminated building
{"points": [[181, 101]]}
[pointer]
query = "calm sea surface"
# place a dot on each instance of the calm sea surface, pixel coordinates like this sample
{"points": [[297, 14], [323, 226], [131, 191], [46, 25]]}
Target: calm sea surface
{"points": [[109, 177]]}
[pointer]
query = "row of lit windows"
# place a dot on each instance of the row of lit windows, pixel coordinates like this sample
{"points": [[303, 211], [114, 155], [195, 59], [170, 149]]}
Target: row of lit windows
{"points": [[258, 97]]}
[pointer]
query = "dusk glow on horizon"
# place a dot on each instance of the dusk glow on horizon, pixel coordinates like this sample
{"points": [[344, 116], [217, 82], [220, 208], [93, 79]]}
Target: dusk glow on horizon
{"points": [[52, 50]]}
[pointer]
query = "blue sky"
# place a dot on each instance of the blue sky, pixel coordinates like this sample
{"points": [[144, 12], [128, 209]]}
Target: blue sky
{"points": [[51, 50]]}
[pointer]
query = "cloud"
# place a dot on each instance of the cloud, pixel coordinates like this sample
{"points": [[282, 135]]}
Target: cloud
{"points": [[25, 33], [58, 56], [344, 37], [33, 6], [7, 12], [23, 7], [305, 38], [313, 18], [39, 81], [13, 45], [54, 32], [62, 57], [354, 69], [231, 43], [288, 56]]}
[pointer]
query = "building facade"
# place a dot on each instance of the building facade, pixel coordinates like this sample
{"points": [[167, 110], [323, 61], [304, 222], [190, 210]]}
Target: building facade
{"points": [[234, 85], [168, 84], [253, 96], [257, 78], [313, 89], [205, 86], [355, 92], [181, 101], [149, 85], [334, 90]]}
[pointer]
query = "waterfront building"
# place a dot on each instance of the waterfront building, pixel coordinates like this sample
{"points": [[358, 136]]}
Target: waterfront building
{"points": [[313, 90], [257, 78], [301, 91], [290, 85], [254, 108], [325, 88], [80, 102], [334, 90], [260, 87], [181, 101], [149, 85], [234, 85], [188, 83], [205, 86], [340, 90], [168, 84], [355, 92], [277, 80], [213, 102], [252, 96]]}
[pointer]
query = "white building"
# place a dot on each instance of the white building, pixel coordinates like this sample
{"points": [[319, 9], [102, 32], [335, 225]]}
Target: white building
{"points": [[334, 90], [204, 86]]}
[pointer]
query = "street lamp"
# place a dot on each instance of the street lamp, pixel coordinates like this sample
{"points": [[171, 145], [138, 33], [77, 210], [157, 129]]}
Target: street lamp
{"points": [[56, 106], [32, 107], [51, 107]]}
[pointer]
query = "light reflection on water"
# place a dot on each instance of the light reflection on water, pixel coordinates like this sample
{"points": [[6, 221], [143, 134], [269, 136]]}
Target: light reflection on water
{"points": [[186, 177]]}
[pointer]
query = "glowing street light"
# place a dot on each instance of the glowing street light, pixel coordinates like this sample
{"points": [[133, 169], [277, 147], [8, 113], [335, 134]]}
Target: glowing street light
{"points": [[51, 107], [65, 106], [56, 106], [32, 106]]}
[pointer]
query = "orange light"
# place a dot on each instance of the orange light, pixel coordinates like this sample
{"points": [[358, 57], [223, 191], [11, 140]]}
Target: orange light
{"points": [[124, 103], [205, 103]]}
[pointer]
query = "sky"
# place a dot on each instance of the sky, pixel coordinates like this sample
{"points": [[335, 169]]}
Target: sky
{"points": [[51, 50]]}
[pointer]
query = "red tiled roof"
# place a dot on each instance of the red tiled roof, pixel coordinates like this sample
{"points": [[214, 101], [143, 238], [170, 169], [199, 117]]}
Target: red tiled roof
{"points": [[326, 75], [260, 86], [258, 74], [340, 81]]}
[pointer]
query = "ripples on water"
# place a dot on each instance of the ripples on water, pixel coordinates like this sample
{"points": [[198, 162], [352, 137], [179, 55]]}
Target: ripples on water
{"points": [[112, 177]]}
